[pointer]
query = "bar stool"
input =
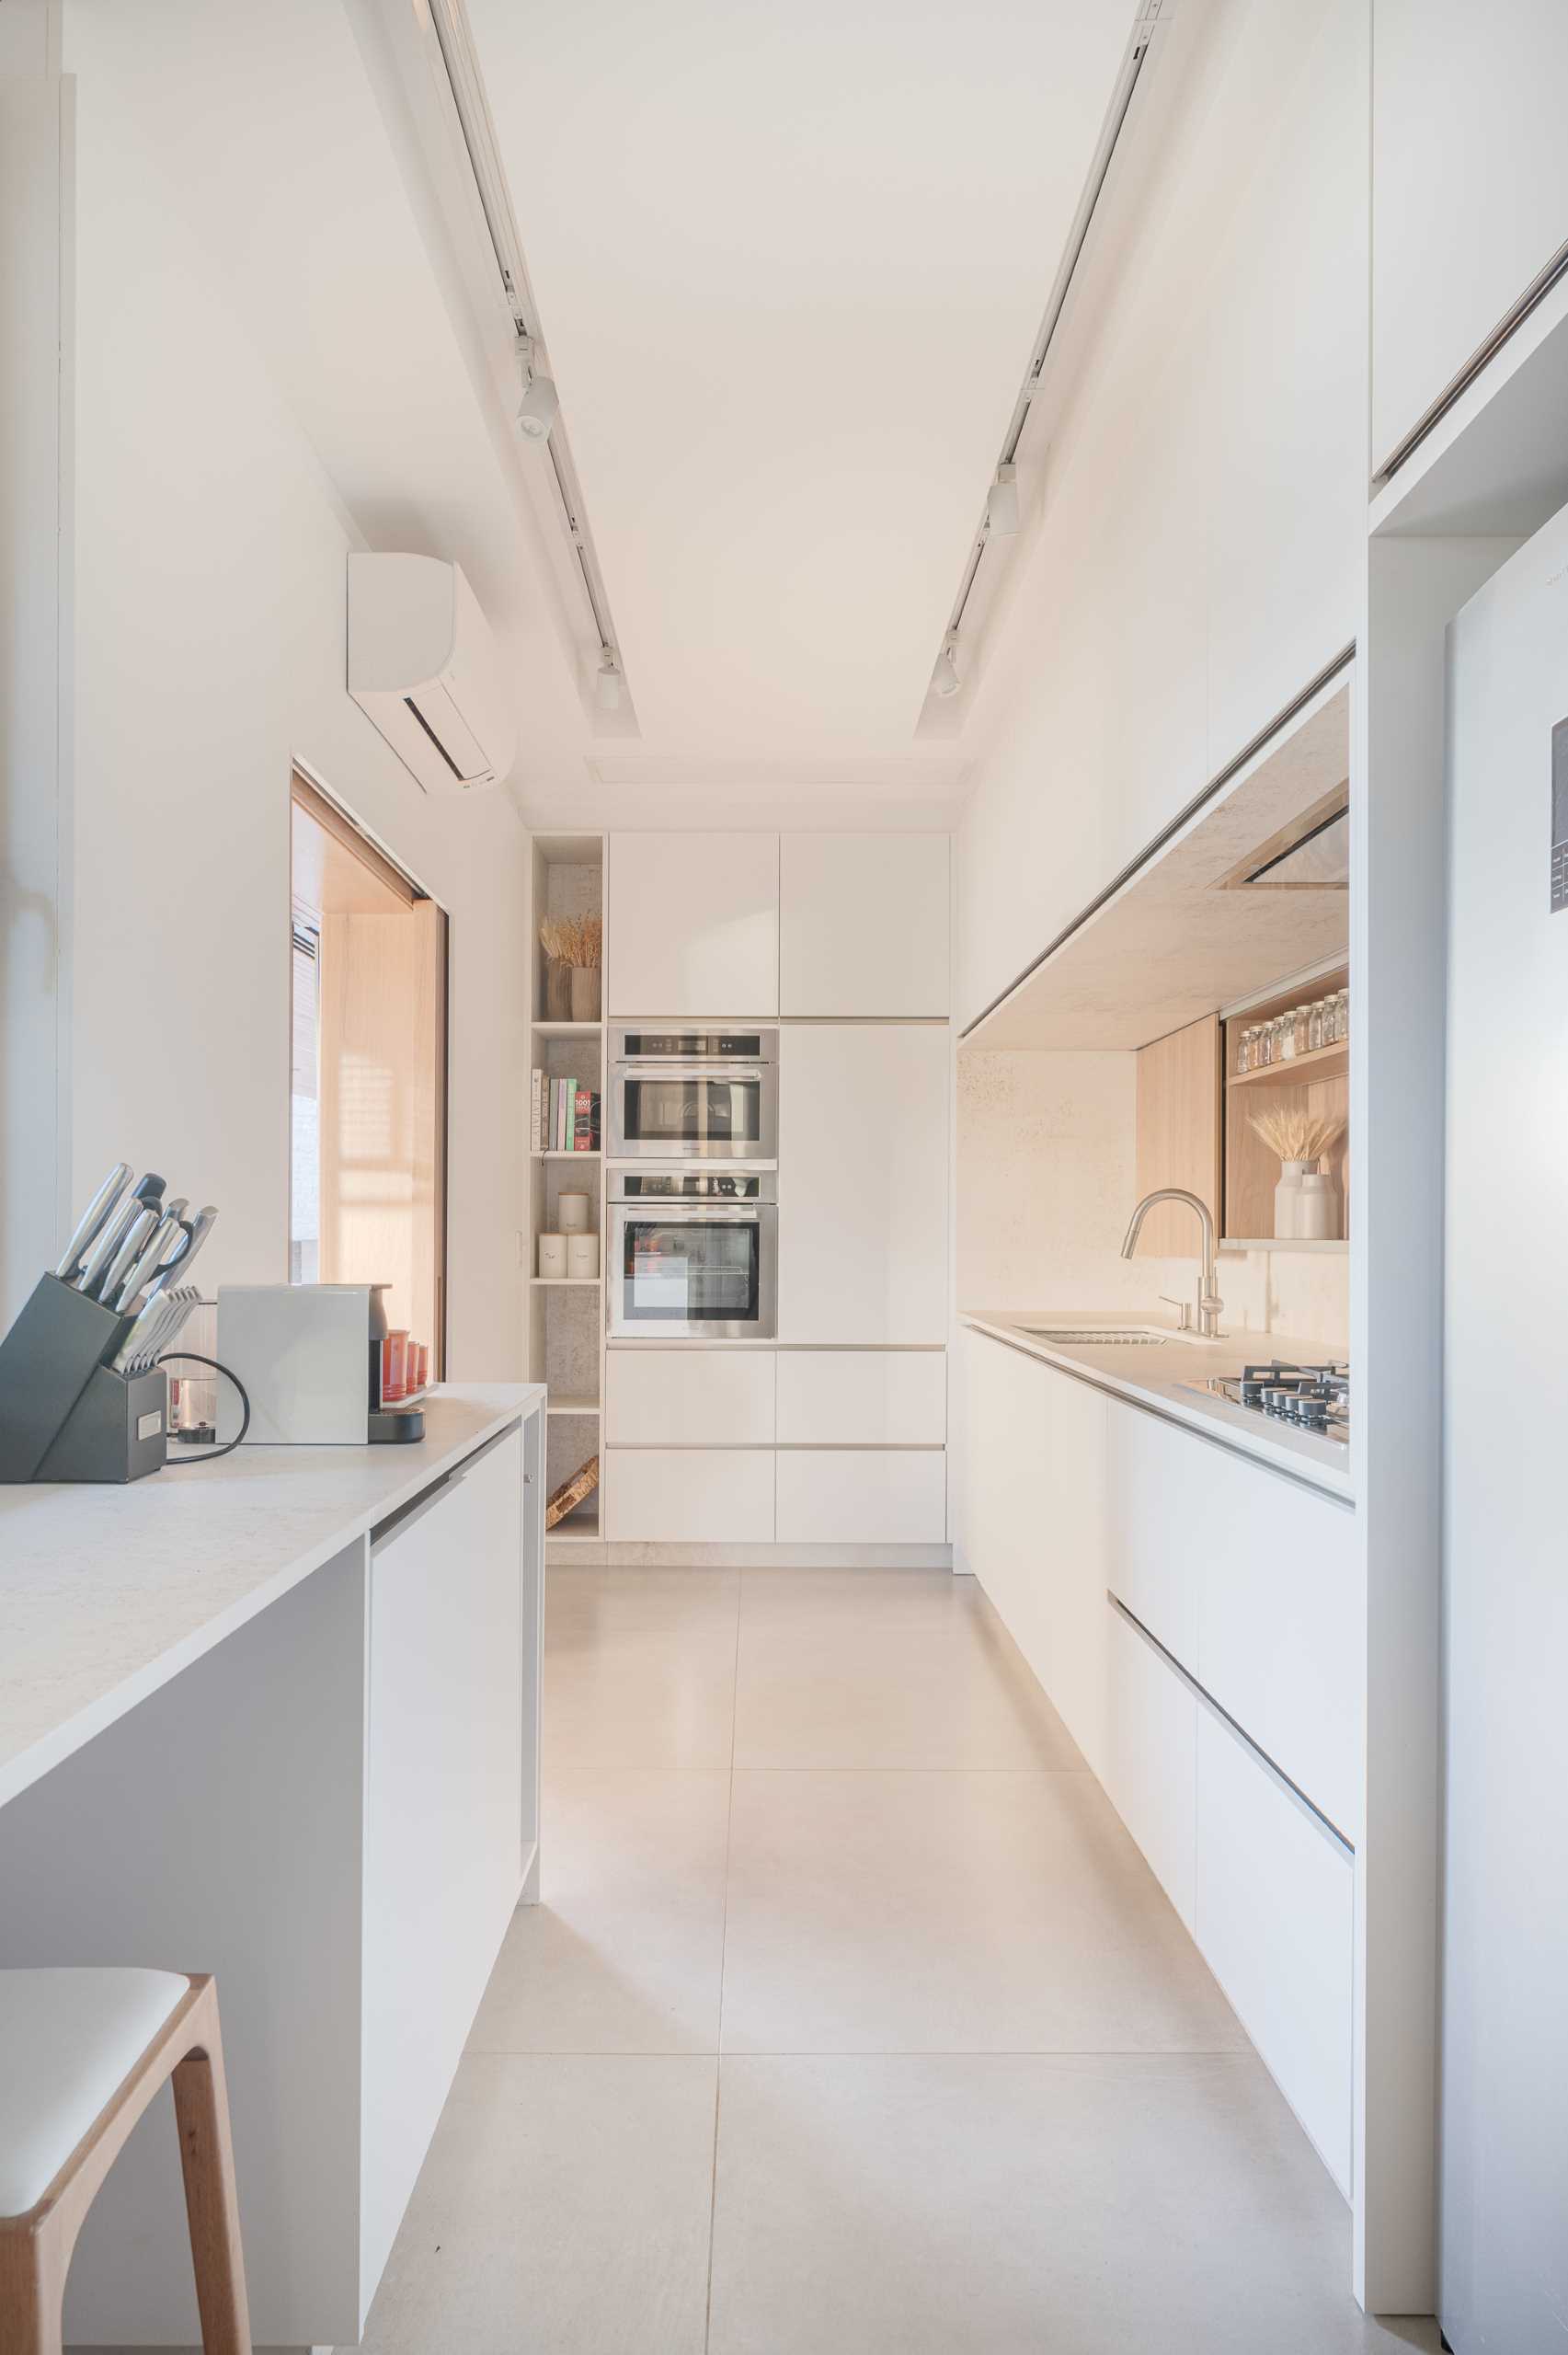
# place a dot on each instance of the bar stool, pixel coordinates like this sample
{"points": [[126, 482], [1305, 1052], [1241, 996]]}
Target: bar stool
{"points": [[82, 2053]]}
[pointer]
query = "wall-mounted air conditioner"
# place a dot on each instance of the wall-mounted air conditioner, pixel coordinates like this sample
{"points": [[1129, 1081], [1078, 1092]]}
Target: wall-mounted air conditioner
{"points": [[426, 671]]}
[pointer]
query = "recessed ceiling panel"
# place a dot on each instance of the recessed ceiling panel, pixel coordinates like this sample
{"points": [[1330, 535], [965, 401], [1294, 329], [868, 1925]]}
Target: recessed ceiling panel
{"points": [[789, 262]]}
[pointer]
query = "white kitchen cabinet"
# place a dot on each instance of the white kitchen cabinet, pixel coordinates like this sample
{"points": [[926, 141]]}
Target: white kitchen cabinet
{"points": [[1286, 344], [1453, 250], [851, 1496], [864, 925], [1152, 1758], [444, 1808], [863, 1183], [691, 927], [1254, 1582], [1274, 1921], [1034, 1476], [862, 1398], [689, 1398], [693, 1496]]}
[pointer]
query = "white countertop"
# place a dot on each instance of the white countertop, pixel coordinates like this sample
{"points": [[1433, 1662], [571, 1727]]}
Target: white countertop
{"points": [[107, 1591], [1154, 1375]]}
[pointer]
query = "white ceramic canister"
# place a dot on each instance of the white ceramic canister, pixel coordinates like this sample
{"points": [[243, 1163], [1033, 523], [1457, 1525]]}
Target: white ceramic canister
{"points": [[552, 1255], [1317, 1209], [571, 1213], [1287, 1202], [582, 1255]]}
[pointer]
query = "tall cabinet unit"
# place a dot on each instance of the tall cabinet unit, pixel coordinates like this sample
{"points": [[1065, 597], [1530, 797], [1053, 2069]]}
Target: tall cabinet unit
{"points": [[834, 1434], [565, 1314]]}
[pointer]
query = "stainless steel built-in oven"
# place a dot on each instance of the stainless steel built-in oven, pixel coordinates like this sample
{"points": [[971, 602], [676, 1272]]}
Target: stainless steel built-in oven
{"points": [[694, 1094], [694, 1255]]}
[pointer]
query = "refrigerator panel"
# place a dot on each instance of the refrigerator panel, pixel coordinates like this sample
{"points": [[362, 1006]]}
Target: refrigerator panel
{"points": [[1505, 2155]]}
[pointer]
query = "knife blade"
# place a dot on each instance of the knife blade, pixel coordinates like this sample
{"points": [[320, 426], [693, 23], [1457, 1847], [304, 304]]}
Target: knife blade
{"points": [[93, 1217]]}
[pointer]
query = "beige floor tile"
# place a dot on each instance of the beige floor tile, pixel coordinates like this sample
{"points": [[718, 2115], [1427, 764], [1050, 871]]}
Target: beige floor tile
{"points": [[563, 2210], [623, 1953], [947, 2205], [877, 1911], [885, 1668], [640, 1667]]}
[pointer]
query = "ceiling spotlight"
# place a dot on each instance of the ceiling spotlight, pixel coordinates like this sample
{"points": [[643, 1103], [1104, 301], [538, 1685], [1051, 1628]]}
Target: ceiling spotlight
{"points": [[945, 679], [1001, 504], [536, 410], [607, 683]]}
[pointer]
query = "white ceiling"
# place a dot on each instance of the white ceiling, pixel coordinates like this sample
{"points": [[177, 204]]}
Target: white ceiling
{"points": [[790, 261]]}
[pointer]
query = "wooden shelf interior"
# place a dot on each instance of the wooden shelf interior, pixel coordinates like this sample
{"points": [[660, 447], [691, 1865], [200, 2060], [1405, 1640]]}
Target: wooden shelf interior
{"points": [[1317, 1082], [568, 880]]}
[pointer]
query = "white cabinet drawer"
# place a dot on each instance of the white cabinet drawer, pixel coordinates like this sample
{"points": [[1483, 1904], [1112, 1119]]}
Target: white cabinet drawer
{"points": [[1152, 1758], [1273, 1915], [1254, 1583], [689, 1398], [688, 1496], [846, 1496], [862, 1397], [863, 924]]}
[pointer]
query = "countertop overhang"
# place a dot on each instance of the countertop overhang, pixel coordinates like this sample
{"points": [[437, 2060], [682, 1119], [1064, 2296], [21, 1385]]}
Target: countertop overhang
{"points": [[1152, 1377], [108, 1592]]}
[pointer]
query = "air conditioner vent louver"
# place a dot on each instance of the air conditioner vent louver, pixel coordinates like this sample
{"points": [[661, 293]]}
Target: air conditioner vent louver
{"points": [[425, 670]]}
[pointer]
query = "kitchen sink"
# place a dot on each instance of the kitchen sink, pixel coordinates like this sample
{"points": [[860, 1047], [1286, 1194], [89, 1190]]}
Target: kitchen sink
{"points": [[1101, 1336]]}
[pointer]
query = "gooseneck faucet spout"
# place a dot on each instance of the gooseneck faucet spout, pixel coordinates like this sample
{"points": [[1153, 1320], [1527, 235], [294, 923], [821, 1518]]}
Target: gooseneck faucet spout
{"points": [[1210, 1305]]}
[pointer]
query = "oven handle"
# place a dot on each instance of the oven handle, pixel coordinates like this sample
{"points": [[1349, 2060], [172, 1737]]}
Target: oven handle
{"points": [[689, 1215], [700, 1070]]}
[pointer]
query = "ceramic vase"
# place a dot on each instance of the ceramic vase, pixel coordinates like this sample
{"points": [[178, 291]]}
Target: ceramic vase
{"points": [[557, 991], [586, 993], [1287, 1202]]}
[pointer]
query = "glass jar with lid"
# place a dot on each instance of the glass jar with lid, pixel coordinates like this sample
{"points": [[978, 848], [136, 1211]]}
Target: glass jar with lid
{"points": [[1315, 1038], [1285, 1026], [1245, 1052]]}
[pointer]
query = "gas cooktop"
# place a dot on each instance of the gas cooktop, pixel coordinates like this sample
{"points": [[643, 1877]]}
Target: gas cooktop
{"points": [[1309, 1397]]}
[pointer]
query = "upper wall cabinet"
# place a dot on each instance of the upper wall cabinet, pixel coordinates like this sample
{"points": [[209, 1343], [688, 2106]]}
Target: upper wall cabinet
{"points": [[863, 1183], [863, 924], [693, 925], [1454, 249]]}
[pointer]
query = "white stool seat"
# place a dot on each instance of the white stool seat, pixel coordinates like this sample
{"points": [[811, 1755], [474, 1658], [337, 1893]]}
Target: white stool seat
{"points": [[68, 2038]]}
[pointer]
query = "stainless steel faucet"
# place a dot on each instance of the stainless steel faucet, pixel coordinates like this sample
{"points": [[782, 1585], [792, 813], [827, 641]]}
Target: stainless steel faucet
{"points": [[1210, 1305]]}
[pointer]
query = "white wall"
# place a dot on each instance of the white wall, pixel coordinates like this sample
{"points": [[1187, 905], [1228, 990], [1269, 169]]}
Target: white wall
{"points": [[1195, 560], [35, 176], [210, 655]]}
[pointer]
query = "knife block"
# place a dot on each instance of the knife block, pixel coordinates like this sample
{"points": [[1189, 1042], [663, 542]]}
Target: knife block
{"points": [[65, 1413]]}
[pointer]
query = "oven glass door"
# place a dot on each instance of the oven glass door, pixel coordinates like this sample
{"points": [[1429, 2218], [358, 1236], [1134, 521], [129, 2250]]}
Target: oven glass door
{"points": [[707, 1274], [698, 1112]]}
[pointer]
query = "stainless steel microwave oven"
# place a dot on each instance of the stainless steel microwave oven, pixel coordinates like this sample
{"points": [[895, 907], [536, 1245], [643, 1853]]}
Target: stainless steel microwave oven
{"points": [[678, 1096], [693, 1255]]}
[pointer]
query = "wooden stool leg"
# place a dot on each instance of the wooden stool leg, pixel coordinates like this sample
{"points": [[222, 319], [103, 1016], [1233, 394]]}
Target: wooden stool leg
{"points": [[32, 2286], [206, 2155]]}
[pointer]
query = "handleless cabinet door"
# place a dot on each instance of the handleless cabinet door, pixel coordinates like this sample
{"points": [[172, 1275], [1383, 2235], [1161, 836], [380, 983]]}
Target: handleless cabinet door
{"points": [[443, 1807], [863, 1183], [862, 1397], [688, 1496], [854, 1496], [863, 924], [689, 1398], [693, 927]]}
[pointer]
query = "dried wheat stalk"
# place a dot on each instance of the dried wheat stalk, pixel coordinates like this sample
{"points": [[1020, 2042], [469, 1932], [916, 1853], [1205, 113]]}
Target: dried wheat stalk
{"points": [[1294, 1136], [573, 940]]}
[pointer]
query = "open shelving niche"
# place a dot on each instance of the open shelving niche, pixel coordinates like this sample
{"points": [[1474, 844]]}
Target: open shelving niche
{"points": [[565, 1315], [1317, 1082]]}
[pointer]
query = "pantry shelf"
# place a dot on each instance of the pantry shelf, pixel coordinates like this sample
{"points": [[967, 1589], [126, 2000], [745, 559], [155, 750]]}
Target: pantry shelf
{"points": [[562, 1283], [560, 1153], [1296, 1070]]}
